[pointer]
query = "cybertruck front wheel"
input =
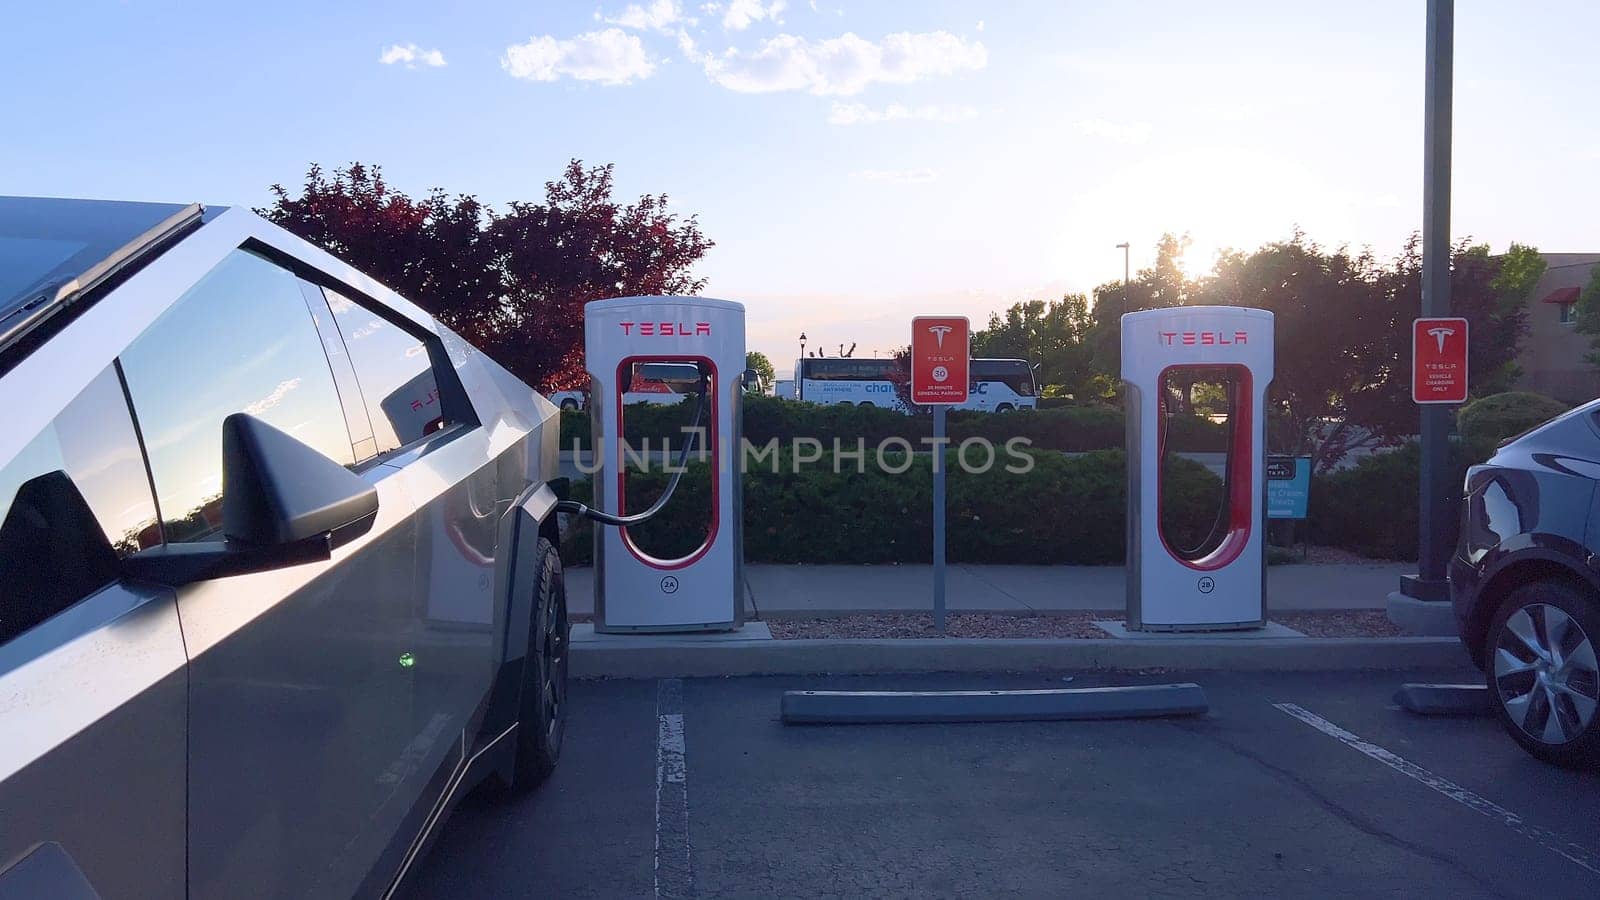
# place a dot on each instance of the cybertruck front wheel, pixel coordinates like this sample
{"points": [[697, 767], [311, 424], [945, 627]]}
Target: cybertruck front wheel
{"points": [[542, 718]]}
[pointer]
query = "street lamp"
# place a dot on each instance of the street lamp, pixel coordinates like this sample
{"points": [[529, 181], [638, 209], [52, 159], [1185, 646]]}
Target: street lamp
{"points": [[1124, 248], [799, 370]]}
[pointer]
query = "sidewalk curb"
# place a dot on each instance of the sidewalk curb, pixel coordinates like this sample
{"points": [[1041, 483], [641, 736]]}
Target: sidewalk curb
{"points": [[665, 658]]}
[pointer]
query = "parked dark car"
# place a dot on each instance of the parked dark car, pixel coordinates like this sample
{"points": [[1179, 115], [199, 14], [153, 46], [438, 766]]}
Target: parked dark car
{"points": [[1525, 583]]}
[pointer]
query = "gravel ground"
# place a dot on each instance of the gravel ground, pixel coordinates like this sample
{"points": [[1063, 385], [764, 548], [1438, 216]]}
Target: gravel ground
{"points": [[1335, 556], [962, 625], [1315, 555], [1340, 623]]}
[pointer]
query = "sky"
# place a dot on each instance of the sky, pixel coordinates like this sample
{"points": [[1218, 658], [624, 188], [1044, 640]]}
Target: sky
{"points": [[857, 162]]}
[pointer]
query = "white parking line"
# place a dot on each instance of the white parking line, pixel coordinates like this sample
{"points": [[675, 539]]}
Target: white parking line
{"points": [[1544, 837], [674, 874]]}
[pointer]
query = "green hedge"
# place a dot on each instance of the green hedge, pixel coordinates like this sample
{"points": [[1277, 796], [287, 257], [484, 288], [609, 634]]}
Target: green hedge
{"points": [[1080, 428], [1371, 508], [1066, 510], [1484, 423]]}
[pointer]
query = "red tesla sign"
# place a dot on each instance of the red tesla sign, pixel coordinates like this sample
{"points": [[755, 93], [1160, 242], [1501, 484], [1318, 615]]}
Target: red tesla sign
{"points": [[940, 348], [1439, 360]]}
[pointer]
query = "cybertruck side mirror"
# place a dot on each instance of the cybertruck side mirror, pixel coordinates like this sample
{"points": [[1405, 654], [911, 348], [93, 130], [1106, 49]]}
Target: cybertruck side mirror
{"points": [[283, 504]]}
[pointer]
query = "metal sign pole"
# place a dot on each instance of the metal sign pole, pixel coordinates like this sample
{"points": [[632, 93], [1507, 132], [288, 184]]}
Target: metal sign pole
{"points": [[938, 516], [1437, 512], [941, 374]]}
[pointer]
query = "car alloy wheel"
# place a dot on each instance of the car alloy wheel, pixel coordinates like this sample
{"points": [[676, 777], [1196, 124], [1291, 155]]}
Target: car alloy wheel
{"points": [[1545, 673]]}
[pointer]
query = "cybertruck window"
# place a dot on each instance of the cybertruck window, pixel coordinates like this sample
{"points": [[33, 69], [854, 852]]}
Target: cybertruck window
{"points": [[72, 501], [240, 340], [396, 376]]}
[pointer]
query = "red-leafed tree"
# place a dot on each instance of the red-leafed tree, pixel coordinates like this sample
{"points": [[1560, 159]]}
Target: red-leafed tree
{"points": [[515, 282]]}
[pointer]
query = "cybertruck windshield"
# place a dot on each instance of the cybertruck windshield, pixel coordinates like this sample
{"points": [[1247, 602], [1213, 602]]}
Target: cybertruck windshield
{"points": [[46, 245]]}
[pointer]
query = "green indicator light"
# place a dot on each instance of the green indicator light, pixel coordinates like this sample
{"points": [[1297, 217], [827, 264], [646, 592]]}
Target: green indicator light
{"points": [[407, 660]]}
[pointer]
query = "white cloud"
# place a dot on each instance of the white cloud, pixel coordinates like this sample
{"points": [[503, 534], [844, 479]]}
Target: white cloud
{"points": [[611, 56], [1121, 132], [862, 114], [897, 176], [411, 56], [274, 398], [843, 65], [980, 24], [686, 44], [659, 15], [741, 14]]}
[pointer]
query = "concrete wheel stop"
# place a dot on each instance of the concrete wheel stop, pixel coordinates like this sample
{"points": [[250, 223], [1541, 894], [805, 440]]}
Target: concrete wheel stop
{"points": [[893, 707], [1445, 699]]}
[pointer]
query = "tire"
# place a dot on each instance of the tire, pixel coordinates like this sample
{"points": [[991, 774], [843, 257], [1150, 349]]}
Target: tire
{"points": [[569, 404], [542, 715], [1004, 408], [865, 404], [1547, 692]]}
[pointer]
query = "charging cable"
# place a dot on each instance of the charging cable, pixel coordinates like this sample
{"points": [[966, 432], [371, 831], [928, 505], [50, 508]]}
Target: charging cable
{"points": [[604, 518]]}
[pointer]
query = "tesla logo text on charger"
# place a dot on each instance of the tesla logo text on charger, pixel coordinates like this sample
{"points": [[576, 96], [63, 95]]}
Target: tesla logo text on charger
{"points": [[667, 329], [1203, 338]]}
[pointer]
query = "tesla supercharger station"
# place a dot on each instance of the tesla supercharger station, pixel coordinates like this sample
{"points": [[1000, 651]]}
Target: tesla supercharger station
{"points": [[633, 590], [1216, 580]]}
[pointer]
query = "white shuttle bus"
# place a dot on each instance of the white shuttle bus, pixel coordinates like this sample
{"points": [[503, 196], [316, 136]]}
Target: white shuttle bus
{"points": [[998, 385]]}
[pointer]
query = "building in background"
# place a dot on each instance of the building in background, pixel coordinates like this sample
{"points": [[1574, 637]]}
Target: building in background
{"points": [[1552, 357]]}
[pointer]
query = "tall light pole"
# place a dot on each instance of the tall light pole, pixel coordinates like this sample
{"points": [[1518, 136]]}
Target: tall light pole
{"points": [[1124, 248]]}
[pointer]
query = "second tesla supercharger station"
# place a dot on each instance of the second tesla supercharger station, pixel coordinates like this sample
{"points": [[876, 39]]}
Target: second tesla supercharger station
{"points": [[633, 590], [1219, 582]]}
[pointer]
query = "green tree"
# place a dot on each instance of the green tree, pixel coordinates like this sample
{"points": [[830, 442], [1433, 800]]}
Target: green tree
{"points": [[1343, 329], [1048, 333], [1161, 285], [1588, 316], [1329, 312], [1343, 333], [758, 361]]}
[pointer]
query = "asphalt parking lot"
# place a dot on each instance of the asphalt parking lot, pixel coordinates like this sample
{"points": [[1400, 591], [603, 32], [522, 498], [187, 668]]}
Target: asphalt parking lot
{"points": [[1305, 783]]}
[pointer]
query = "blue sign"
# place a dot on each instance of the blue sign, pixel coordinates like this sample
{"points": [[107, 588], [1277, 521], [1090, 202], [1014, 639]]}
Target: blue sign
{"points": [[1288, 486]]}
